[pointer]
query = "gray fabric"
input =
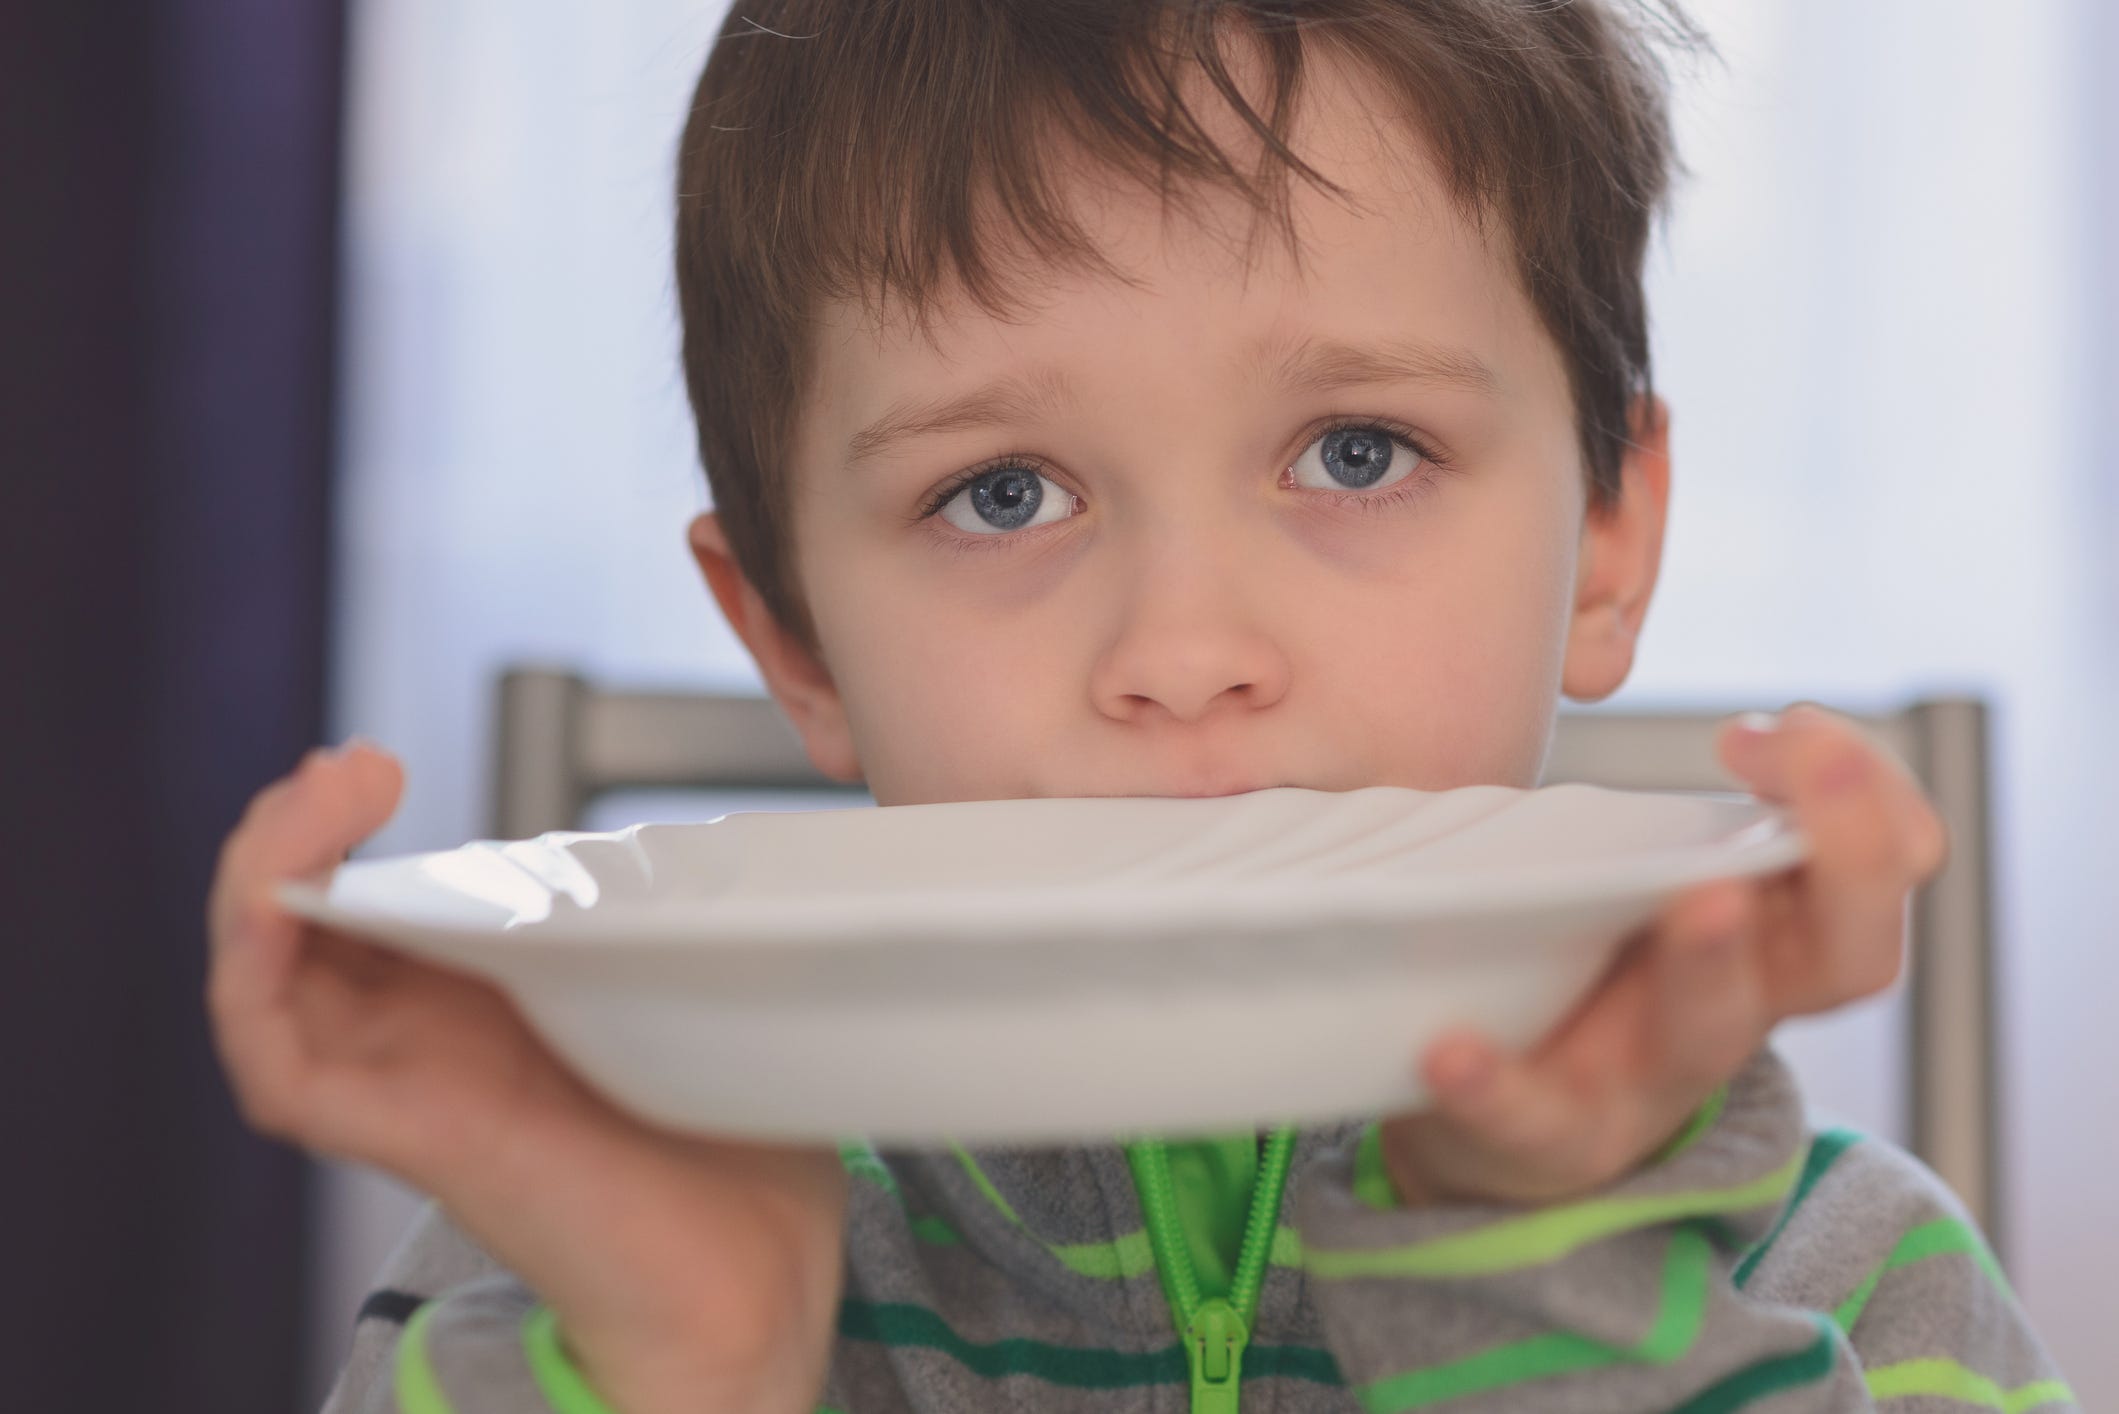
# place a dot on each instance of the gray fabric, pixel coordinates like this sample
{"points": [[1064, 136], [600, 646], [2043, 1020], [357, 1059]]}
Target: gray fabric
{"points": [[1856, 1214], [474, 1345], [433, 1257], [1608, 1291], [999, 1289]]}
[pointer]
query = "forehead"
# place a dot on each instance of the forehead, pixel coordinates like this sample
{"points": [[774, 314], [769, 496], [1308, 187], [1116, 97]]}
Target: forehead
{"points": [[1207, 290]]}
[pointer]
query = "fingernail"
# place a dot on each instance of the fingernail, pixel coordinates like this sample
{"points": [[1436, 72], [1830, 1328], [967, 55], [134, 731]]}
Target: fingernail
{"points": [[1757, 724]]}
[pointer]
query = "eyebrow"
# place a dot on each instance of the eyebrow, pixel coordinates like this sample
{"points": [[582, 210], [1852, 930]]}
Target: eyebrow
{"points": [[1002, 402], [1306, 365]]}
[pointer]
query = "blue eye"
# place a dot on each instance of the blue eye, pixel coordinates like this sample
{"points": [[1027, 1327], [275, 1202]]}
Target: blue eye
{"points": [[1356, 456], [1005, 498]]}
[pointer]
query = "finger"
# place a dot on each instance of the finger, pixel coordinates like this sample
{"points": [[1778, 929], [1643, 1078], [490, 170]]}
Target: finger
{"points": [[1502, 1101], [1869, 843], [1812, 745], [1710, 1013], [304, 822]]}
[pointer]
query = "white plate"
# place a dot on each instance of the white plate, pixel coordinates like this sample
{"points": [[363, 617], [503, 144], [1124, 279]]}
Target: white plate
{"points": [[1050, 971]]}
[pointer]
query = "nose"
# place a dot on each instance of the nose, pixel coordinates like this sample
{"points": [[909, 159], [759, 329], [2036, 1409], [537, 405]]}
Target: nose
{"points": [[1188, 642]]}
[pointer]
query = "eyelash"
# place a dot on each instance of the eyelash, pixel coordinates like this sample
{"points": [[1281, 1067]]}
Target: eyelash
{"points": [[1411, 488]]}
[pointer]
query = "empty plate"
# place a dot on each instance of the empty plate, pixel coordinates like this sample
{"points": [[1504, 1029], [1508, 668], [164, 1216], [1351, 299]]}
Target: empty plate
{"points": [[1053, 970]]}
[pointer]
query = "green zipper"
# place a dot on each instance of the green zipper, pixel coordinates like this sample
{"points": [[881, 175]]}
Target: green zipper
{"points": [[1216, 1330]]}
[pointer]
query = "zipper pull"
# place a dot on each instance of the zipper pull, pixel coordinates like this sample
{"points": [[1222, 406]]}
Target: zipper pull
{"points": [[1214, 1341]]}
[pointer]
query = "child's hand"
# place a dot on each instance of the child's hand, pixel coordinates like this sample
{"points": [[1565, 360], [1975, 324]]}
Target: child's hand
{"points": [[686, 1272], [1694, 994]]}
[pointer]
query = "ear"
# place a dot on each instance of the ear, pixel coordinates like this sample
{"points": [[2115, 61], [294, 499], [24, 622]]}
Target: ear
{"points": [[794, 674], [1621, 552]]}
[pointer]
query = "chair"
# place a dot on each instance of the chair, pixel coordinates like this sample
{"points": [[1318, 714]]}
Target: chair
{"points": [[562, 741]]}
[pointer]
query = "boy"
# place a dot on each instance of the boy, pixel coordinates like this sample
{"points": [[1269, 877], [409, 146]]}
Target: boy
{"points": [[1030, 481]]}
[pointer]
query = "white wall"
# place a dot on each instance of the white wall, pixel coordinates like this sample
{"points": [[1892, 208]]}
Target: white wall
{"points": [[1869, 326], [517, 457]]}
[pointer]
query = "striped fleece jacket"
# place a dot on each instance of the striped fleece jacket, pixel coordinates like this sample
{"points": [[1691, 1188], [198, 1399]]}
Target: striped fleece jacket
{"points": [[1754, 1266]]}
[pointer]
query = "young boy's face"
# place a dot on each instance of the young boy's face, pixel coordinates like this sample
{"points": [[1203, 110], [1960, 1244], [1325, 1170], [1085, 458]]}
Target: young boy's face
{"points": [[1177, 580]]}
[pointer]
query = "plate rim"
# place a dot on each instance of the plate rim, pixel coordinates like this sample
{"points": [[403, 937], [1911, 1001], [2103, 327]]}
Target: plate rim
{"points": [[1156, 908]]}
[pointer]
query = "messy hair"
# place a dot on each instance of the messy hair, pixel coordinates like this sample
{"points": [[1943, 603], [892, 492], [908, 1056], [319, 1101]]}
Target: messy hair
{"points": [[858, 149]]}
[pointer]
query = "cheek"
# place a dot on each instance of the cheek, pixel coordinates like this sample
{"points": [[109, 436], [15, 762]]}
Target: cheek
{"points": [[1446, 667], [948, 695]]}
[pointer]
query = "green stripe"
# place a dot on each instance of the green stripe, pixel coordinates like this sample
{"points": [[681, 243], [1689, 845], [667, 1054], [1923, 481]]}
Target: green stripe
{"points": [[983, 1183], [1372, 1180], [1825, 1149], [1372, 1177], [418, 1388], [1076, 1367], [558, 1380], [1702, 1120], [1941, 1238], [1770, 1376], [861, 1160], [936, 1232], [1291, 1362], [1127, 1255], [1950, 1380], [1850, 1310], [1680, 1312], [1130, 1255], [1545, 1236]]}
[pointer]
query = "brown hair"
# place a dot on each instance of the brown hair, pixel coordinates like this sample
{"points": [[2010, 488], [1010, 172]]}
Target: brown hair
{"points": [[842, 149]]}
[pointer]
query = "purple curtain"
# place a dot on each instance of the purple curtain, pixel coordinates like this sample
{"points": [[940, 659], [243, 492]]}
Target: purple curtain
{"points": [[168, 245]]}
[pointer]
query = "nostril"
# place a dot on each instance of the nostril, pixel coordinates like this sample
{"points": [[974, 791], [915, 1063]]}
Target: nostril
{"points": [[1188, 671]]}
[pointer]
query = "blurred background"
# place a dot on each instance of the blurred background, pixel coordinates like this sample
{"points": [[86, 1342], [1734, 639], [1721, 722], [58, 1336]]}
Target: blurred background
{"points": [[340, 369]]}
